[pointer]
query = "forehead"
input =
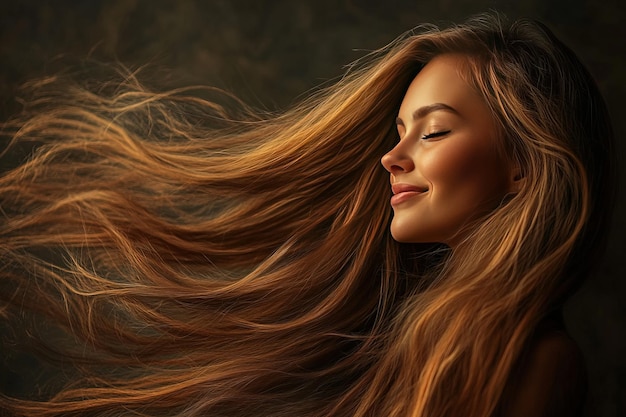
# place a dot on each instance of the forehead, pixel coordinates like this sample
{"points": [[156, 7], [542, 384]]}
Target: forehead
{"points": [[443, 80]]}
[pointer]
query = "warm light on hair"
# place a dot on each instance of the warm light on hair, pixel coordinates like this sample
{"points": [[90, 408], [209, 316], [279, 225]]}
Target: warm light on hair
{"points": [[193, 258]]}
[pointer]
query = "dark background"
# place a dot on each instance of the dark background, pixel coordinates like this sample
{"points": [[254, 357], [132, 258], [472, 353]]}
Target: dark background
{"points": [[272, 52]]}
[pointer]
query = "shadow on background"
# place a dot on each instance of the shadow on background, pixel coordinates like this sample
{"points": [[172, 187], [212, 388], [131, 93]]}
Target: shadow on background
{"points": [[270, 53]]}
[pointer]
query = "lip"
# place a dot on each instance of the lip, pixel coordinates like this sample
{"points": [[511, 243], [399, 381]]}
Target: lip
{"points": [[404, 192]]}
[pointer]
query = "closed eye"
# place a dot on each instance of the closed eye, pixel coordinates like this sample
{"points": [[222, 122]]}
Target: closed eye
{"points": [[436, 134]]}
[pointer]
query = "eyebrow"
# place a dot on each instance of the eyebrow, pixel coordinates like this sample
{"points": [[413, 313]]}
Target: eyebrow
{"points": [[426, 110]]}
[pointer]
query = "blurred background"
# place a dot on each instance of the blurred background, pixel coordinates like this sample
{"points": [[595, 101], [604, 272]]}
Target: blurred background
{"points": [[270, 53]]}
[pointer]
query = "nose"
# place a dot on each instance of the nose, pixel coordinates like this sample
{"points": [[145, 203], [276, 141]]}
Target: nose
{"points": [[397, 161]]}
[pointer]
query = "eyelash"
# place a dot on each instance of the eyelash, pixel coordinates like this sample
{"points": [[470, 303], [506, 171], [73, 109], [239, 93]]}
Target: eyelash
{"points": [[435, 134]]}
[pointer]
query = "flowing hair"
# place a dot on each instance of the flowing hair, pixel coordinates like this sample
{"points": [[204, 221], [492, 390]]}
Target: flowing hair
{"points": [[179, 253]]}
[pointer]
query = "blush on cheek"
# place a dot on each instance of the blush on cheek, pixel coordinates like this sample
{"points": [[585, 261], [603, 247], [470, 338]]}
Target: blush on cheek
{"points": [[451, 164]]}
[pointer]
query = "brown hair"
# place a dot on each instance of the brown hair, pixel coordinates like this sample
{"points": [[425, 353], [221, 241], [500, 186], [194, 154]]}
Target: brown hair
{"points": [[200, 261]]}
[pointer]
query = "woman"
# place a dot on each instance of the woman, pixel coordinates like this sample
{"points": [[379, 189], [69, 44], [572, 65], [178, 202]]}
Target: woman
{"points": [[187, 260]]}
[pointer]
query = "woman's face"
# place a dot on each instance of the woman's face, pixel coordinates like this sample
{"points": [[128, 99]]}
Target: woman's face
{"points": [[445, 169]]}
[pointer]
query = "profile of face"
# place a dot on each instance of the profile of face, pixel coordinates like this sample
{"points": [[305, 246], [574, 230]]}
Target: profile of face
{"points": [[446, 169]]}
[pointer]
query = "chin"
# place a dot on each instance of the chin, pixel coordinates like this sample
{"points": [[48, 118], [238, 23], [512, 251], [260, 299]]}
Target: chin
{"points": [[398, 235], [402, 235]]}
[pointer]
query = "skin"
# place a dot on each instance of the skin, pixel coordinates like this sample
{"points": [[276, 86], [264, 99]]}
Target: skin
{"points": [[445, 170], [549, 379]]}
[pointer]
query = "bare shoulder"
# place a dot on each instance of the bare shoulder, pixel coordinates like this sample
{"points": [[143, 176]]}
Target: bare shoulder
{"points": [[550, 379], [556, 350]]}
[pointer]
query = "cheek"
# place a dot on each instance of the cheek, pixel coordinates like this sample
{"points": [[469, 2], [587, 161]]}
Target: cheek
{"points": [[450, 162], [465, 172]]}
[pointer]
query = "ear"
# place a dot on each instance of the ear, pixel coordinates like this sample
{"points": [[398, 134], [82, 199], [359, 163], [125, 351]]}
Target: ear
{"points": [[517, 179]]}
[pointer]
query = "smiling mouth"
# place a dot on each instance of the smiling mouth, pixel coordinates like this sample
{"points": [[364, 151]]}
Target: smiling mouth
{"points": [[404, 192]]}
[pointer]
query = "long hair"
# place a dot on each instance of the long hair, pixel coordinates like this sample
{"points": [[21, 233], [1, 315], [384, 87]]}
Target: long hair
{"points": [[182, 258]]}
